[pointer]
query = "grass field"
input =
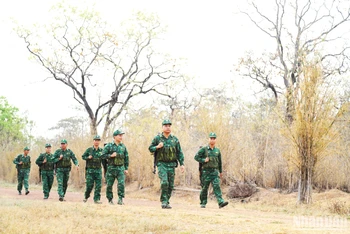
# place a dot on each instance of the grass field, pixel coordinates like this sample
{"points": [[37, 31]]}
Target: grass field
{"points": [[267, 212]]}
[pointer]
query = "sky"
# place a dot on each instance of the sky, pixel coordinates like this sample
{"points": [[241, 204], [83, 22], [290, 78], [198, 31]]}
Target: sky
{"points": [[209, 34]]}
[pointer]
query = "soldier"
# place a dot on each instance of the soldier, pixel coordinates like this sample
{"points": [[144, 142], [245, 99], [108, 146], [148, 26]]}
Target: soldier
{"points": [[46, 163], [23, 164], [168, 153], [92, 155], [210, 157], [63, 157], [118, 163]]}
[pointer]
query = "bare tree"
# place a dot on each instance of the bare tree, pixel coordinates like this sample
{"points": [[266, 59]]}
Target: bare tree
{"points": [[104, 68], [298, 29]]}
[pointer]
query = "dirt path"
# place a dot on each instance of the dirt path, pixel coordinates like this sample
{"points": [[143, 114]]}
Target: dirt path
{"points": [[185, 205]]}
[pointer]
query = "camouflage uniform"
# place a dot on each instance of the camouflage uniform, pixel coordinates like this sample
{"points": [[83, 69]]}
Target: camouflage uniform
{"points": [[63, 168], [116, 167], [23, 171], [210, 173], [47, 171], [167, 159], [93, 172]]}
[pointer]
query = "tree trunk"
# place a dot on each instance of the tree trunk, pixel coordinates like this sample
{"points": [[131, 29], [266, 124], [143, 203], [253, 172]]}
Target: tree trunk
{"points": [[305, 183], [93, 127]]}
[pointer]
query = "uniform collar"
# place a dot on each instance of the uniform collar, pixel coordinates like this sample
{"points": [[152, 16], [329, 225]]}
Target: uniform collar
{"points": [[170, 136], [208, 147]]}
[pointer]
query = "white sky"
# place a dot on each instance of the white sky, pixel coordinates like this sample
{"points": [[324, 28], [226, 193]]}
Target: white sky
{"points": [[207, 33]]}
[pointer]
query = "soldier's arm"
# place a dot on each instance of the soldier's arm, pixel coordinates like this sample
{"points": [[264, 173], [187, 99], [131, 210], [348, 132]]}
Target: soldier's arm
{"points": [[220, 163], [179, 153], [16, 160], [56, 156], [86, 154], [152, 148], [105, 152], [200, 157], [75, 160], [39, 161], [126, 159]]}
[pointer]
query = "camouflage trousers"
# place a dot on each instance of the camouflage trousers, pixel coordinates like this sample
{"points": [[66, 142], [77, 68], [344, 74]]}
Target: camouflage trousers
{"points": [[115, 172], [47, 180], [93, 176], [62, 175], [210, 176], [22, 178], [166, 174]]}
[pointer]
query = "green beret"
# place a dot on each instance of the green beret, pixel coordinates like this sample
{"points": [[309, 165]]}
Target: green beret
{"points": [[97, 137], [26, 148], [47, 145], [166, 121], [212, 134], [118, 132], [63, 141]]}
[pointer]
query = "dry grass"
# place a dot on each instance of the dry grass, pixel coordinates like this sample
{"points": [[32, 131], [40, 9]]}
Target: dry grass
{"points": [[267, 212]]}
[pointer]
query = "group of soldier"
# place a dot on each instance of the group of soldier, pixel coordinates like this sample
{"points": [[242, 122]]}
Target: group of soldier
{"points": [[165, 146]]}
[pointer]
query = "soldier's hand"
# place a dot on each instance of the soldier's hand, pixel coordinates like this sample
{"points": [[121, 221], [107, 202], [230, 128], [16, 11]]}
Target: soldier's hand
{"points": [[44, 160], [126, 172], [90, 157], [113, 155], [77, 168], [206, 159], [160, 145], [61, 156], [20, 163], [220, 175], [182, 168]]}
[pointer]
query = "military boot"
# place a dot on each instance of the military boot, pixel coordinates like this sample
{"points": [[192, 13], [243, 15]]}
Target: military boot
{"points": [[223, 204], [120, 201]]}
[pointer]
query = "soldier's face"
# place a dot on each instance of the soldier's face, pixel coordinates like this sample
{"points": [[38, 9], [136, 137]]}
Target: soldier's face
{"points": [[96, 143], [63, 146], [26, 152], [118, 138], [167, 128], [48, 150], [212, 140]]}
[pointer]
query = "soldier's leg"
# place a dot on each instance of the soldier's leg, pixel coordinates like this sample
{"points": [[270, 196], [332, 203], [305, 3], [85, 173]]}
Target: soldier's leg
{"points": [[110, 176], [121, 183], [26, 180], [164, 183], [98, 185], [65, 182], [44, 180], [171, 178], [19, 181], [50, 179], [89, 184], [59, 176], [204, 192], [216, 187]]}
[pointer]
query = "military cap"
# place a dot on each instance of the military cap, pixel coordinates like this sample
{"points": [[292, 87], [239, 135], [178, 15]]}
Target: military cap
{"points": [[166, 121], [97, 137], [212, 134], [47, 145], [118, 132], [63, 141], [26, 148]]}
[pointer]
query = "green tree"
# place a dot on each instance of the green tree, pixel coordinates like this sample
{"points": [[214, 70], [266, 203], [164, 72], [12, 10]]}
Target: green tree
{"points": [[11, 124], [13, 136]]}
